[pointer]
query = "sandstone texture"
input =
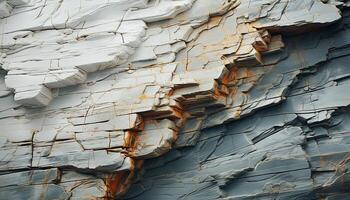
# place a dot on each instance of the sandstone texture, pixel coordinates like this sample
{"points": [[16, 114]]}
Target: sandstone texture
{"points": [[175, 99]]}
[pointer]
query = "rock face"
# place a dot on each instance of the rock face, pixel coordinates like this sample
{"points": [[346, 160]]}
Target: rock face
{"points": [[175, 99]]}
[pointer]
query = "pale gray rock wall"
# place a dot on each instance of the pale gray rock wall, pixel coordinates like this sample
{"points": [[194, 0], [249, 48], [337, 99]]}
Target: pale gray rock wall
{"points": [[174, 99]]}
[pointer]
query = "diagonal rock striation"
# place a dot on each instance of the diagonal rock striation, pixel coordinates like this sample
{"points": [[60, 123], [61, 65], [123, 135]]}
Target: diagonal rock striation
{"points": [[174, 99]]}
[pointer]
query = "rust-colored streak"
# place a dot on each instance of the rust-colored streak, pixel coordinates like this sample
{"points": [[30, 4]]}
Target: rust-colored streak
{"points": [[119, 182], [230, 76], [131, 140]]}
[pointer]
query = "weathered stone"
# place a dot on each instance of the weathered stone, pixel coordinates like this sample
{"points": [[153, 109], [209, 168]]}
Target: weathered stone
{"points": [[174, 99]]}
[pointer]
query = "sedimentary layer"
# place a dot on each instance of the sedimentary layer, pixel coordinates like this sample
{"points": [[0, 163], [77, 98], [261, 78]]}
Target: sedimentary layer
{"points": [[174, 99]]}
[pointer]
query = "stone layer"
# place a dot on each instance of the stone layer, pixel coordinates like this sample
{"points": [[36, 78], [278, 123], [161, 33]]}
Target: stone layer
{"points": [[174, 99]]}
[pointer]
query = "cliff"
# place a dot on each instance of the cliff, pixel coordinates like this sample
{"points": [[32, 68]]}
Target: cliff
{"points": [[175, 99]]}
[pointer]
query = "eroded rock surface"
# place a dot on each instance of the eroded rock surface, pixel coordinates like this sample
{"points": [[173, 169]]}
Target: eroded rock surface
{"points": [[174, 99]]}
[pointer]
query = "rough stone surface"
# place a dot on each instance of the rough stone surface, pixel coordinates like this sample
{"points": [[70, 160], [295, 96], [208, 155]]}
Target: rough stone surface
{"points": [[175, 99]]}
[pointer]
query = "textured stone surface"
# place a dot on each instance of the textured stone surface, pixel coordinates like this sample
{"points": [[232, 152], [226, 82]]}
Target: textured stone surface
{"points": [[174, 99]]}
